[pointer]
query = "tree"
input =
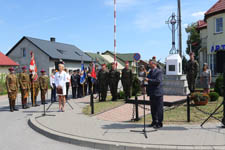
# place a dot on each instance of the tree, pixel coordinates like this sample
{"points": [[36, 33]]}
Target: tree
{"points": [[194, 39]]}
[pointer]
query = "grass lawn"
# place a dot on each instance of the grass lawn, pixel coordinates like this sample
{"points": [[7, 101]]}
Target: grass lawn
{"points": [[103, 106], [179, 114]]}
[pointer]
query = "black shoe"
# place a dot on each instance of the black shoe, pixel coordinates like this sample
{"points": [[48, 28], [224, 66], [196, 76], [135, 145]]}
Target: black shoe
{"points": [[15, 109], [36, 105], [158, 125], [152, 125], [26, 107]]}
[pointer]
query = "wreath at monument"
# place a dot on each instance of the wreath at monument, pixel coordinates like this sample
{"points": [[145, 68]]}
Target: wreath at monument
{"points": [[200, 98]]}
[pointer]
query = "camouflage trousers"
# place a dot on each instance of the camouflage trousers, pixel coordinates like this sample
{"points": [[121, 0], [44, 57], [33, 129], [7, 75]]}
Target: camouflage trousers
{"points": [[191, 84], [24, 96], [12, 99], [34, 96], [43, 93]]}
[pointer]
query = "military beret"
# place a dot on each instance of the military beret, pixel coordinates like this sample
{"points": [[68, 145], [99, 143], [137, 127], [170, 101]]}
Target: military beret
{"points": [[42, 70], [11, 69], [24, 67]]}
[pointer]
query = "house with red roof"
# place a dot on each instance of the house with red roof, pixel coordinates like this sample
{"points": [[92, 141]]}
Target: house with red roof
{"points": [[5, 63], [212, 34]]}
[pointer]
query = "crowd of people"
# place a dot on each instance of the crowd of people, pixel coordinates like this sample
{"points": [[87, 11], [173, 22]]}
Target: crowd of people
{"points": [[83, 83]]}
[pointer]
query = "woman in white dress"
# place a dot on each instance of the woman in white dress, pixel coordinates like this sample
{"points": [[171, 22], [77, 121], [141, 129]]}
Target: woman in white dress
{"points": [[60, 82]]}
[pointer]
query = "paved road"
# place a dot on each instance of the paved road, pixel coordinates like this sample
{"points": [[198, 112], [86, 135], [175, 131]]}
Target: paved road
{"points": [[15, 134]]}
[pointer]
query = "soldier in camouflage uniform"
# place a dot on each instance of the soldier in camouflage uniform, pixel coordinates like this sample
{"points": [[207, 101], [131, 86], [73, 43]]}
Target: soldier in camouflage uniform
{"points": [[34, 88], [127, 80], [192, 71], [114, 77], [43, 81], [12, 89], [103, 82], [24, 81]]}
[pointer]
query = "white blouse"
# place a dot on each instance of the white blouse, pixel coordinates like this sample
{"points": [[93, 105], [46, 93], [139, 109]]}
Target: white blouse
{"points": [[60, 79]]}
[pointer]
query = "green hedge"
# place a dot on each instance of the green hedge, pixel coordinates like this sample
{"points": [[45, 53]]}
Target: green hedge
{"points": [[219, 85], [214, 96], [2, 84]]}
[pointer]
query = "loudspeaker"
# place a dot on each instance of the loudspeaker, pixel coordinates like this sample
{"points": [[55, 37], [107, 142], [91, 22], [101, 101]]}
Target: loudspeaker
{"points": [[220, 61]]}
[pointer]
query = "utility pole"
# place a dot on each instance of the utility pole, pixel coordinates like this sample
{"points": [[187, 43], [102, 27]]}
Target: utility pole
{"points": [[180, 28]]}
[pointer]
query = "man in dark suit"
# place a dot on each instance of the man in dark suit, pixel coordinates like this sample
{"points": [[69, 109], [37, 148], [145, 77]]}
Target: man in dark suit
{"points": [[155, 91]]}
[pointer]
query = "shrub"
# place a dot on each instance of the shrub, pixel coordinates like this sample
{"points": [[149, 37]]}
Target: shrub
{"points": [[136, 87], [2, 84], [214, 96], [219, 85], [121, 95]]}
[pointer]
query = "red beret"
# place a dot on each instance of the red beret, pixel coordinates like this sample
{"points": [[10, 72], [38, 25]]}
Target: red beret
{"points": [[24, 67], [153, 57], [11, 69], [42, 70]]}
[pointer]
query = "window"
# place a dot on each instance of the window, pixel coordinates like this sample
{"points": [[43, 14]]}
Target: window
{"points": [[77, 53], [24, 54], [61, 51], [219, 25]]}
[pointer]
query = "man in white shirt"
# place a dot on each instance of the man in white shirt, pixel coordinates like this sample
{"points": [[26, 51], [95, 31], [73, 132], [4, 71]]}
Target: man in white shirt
{"points": [[53, 87]]}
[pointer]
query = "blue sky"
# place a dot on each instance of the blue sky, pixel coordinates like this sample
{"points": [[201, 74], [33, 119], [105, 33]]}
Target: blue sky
{"points": [[88, 24]]}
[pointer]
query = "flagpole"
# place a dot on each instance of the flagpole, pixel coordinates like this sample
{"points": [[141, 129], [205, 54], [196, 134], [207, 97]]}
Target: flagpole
{"points": [[115, 32]]}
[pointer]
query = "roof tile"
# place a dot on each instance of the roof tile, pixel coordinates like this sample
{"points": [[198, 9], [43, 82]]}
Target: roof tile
{"points": [[6, 61], [219, 6]]}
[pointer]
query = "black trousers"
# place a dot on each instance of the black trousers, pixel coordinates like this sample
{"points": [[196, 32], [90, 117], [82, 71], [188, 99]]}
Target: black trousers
{"points": [[156, 103], [80, 91], [53, 93], [67, 88], [74, 92], [89, 86]]}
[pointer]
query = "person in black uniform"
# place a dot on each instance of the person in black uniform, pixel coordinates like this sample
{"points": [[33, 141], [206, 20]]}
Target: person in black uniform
{"points": [[74, 84], [80, 87], [155, 92]]}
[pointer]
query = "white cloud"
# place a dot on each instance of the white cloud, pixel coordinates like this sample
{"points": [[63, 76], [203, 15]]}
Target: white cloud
{"points": [[199, 14]]}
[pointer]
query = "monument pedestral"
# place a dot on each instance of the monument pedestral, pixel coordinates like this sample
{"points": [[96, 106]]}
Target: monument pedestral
{"points": [[174, 83]]}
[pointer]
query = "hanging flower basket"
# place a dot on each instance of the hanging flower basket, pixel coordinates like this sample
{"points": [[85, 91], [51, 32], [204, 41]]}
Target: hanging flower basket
{"points": [[200, 98]]}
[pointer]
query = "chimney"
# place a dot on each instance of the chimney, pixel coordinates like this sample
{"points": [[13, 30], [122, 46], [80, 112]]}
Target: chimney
{"points": [[52, 39]]}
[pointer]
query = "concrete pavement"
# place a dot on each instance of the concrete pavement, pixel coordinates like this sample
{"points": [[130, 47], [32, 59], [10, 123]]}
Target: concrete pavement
{"points": [[74, 127], [15, 133]]}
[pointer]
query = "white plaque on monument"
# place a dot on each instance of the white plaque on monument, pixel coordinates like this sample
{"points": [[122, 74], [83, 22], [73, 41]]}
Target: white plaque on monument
{"points": [[174, 65]]}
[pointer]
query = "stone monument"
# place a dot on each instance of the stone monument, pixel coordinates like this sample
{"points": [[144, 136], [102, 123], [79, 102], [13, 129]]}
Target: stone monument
{"points": [[174, 82]]}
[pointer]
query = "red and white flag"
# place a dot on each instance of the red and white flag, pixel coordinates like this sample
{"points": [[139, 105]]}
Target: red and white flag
{"points": [[33, 67]]}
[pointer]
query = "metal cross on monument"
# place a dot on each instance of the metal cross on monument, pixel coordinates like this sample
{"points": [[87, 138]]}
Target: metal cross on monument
{"points": [[172, 23]]}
